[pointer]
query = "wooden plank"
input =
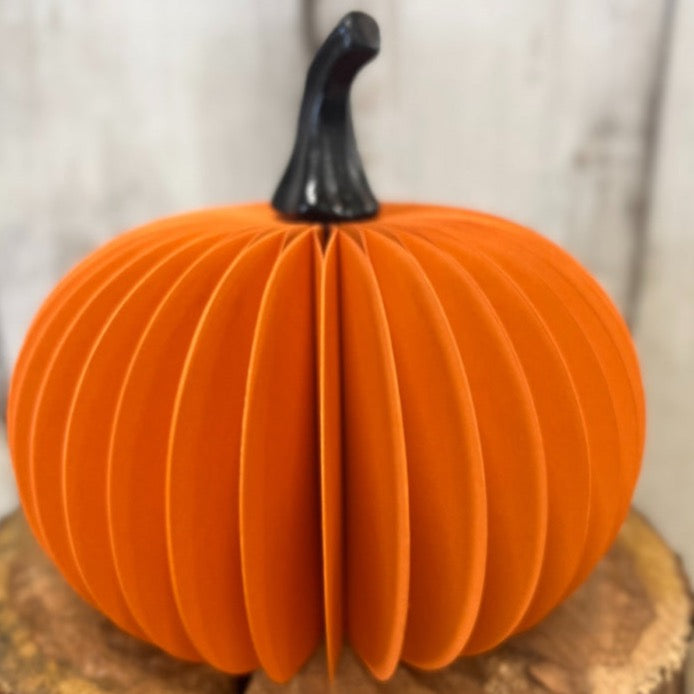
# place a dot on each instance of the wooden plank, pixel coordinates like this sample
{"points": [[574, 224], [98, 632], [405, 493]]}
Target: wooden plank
{"points": [[665, 326], [115, 113]]}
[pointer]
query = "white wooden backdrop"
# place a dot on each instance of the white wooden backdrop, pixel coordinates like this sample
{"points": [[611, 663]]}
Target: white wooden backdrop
{"points": [[575, 117]]}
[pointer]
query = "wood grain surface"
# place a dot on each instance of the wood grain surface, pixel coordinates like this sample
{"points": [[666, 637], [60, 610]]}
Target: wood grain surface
{"points": [[625, 631], [51, 642]]}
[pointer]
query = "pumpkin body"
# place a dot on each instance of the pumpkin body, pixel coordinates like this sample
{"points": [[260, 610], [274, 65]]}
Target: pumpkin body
{"points": [[238, 436]]}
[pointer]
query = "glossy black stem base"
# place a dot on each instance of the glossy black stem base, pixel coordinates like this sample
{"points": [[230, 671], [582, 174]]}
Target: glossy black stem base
{"points": [[325, 179]]}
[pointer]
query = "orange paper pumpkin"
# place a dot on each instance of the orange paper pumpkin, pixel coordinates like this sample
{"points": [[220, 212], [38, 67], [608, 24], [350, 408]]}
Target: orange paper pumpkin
{"points": [[239, 434]]}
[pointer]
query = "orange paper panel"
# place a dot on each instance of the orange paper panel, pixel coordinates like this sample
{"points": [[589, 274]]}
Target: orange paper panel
{"points": [[203, 468], [377, 527], [280, 471], [93, 266], [330, 420], [49, 415], [88, 427], [444, 461], [514, 455], [611, 413], [589, 305], [46, 331], [138, 448], [565, 443], [608, 334], [599, 316], [599, 416]]}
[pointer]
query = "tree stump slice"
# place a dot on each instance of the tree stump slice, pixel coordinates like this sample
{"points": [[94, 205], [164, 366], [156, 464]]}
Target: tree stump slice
{"points": [[51, 642], [626, 630]]}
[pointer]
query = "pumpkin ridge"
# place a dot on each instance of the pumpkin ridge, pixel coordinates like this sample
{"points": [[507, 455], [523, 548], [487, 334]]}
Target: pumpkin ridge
{"points": [[90, 411], [614, 352], [377, 536], [567, 266], [280, 426], [37, 342], [69, 283], [80, 273], [441, 616], [608, 450], [495, 622], [330, 389], [524, 394], [54, 529], [210, 378], [570, 426], [162, 625]]}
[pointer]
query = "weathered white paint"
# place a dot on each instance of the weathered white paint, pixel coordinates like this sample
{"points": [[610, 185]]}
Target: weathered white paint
{"points": [[114, 113], [118, 112], [534, 110], [665, 334]]}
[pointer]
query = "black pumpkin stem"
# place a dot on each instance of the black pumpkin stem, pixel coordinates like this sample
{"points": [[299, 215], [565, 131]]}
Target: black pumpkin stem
{"points": [[325, 180]]}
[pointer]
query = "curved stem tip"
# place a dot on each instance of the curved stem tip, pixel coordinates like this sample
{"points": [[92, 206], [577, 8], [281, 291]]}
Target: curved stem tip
{"points": [[325, 179]]}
